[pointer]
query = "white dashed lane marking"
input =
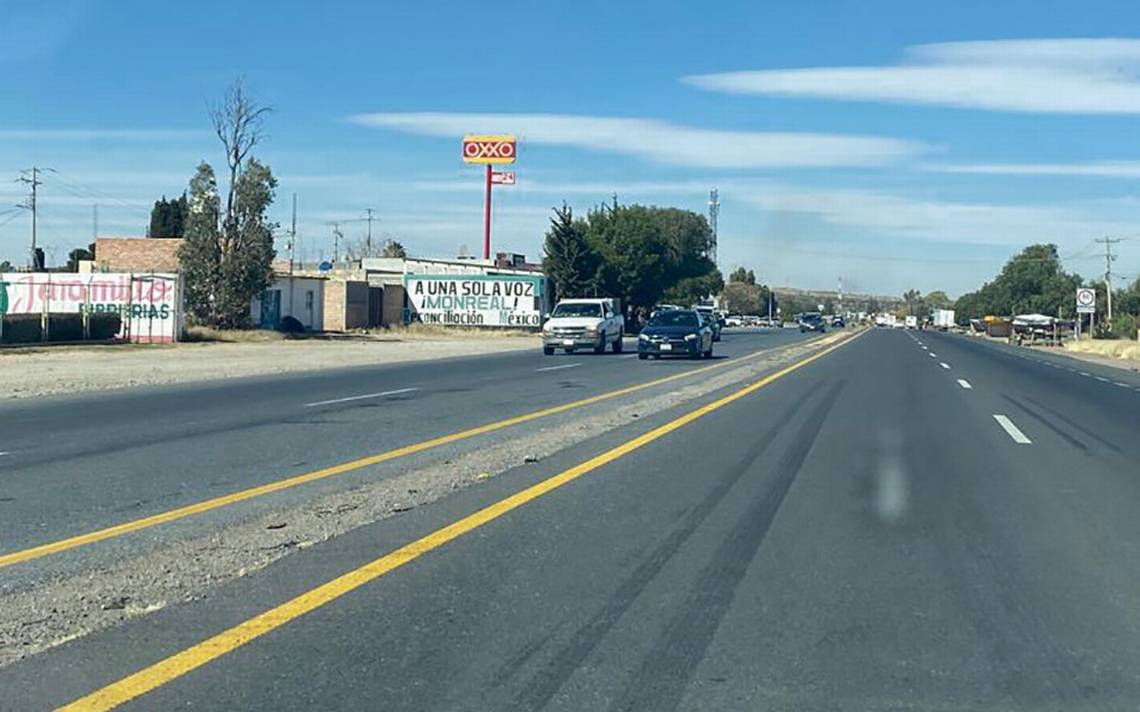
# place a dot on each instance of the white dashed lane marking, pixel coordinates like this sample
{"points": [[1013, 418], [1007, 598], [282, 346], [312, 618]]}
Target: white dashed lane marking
{"points": [[361, 397], [964, 383], [1012, 430], [557, 368]]}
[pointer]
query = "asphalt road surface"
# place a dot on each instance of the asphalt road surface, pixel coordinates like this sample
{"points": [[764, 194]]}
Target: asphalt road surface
{"points": [[910, 521], [76, 464]]}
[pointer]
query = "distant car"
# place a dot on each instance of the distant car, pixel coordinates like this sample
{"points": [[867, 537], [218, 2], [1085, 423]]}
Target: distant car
{"points": [[658, 308], [812, 321], [676, 332], [838, 322], [734, 321], [713, 318]]}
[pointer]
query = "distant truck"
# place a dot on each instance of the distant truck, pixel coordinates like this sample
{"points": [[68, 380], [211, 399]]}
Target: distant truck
{"points": [[584, 324], [943, 319]]}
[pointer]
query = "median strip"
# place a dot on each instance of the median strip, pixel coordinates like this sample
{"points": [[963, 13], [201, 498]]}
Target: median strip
{"points": [[350, 466], [175, 666]]}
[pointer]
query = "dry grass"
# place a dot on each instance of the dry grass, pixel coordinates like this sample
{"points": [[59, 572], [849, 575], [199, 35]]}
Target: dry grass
{"points": [[231, 336], [1119, 348]]}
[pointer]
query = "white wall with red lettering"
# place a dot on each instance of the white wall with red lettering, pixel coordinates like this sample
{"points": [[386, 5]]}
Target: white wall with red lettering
{"points": [[150, 304]]}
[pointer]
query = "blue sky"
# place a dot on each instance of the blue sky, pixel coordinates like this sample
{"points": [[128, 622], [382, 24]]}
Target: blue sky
{"points": [[895, 144]]}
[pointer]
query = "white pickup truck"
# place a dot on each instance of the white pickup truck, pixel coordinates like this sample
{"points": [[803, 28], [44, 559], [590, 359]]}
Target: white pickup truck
{"points": [[584, 323]]}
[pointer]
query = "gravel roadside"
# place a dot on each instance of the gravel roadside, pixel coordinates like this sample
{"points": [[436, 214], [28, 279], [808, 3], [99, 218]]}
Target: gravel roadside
{"points": [[31, 372]]}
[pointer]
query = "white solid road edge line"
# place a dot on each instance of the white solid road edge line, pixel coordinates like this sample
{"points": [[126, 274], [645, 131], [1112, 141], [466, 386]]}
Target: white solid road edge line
{"points": [[556, 368], [361, 397], [1012, 430], [964, 383]]}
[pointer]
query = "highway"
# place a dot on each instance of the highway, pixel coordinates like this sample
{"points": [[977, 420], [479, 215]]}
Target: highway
{"points": [[900, 520]]}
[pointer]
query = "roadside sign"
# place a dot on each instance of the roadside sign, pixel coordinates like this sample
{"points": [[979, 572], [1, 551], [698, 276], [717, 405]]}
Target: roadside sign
{"points": [[503, 177], [489, 149], [1086, 301]]}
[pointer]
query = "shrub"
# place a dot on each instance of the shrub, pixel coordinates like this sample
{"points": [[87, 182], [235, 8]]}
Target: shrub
{"points": [[105, 326], [25, 328], [21, 328]]}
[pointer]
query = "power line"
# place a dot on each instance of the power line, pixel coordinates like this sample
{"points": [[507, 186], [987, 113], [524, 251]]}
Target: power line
{"points": [[81, 190]]}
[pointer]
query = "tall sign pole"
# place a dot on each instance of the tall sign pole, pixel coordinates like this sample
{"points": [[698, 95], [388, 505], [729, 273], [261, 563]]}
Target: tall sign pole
{"points": [[487, 218], [488, 151]]}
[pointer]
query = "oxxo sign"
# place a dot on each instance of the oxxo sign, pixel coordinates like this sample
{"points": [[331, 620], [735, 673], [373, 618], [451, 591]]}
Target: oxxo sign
{"points": [[489, 149]]}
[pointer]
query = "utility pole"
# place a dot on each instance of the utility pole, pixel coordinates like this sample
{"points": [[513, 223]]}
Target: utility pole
{"points": [[292, 248], [840, 307], [368, 242], [34, 183], [1108, 259], [336, 242], [714, 212], [293, 235], [94, 223]]}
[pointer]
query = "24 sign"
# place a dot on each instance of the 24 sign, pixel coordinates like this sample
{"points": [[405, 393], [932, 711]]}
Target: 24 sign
{"points": [[489, 149]]}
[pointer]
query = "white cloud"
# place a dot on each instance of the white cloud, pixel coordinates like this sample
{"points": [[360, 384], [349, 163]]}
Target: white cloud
{"points": [[933, 220], [594, 187], [1078, 76], [1098, 169], [658, 141], [101, 135]]}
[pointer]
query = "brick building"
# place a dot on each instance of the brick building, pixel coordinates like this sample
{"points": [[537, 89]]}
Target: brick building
{"points": [[136, 254]]}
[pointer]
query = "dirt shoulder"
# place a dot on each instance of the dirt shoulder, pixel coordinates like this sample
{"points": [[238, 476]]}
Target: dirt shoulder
{"points": [[26, 373], [1118, 353]]}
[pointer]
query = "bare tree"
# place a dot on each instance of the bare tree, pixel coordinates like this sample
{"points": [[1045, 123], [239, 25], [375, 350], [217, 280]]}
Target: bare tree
{"points": [[239, 124], [360, 248]]}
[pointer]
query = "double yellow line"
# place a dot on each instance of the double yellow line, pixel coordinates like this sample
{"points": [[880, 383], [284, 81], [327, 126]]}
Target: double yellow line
{"points": [[225, 642], [173, 515]]}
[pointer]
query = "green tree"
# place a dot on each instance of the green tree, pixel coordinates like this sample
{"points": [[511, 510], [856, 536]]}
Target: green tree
{"points": [[393, 248], [939, 300], [1032, 281], [6, 266], [742, 275], [635, 264], [226, 258], [568, 257], [200, 254], [168, 217], [79, 253], [740, 297]]}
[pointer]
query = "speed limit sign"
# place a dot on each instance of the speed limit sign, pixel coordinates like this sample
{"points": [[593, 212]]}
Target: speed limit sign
{"points": [[1086, 301]]}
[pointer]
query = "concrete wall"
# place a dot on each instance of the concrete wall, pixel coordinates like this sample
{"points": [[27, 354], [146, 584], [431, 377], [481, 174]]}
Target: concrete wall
{"points": [[137, 254], [301, 298], [356, 305], [334, 305], [393, 305]]}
